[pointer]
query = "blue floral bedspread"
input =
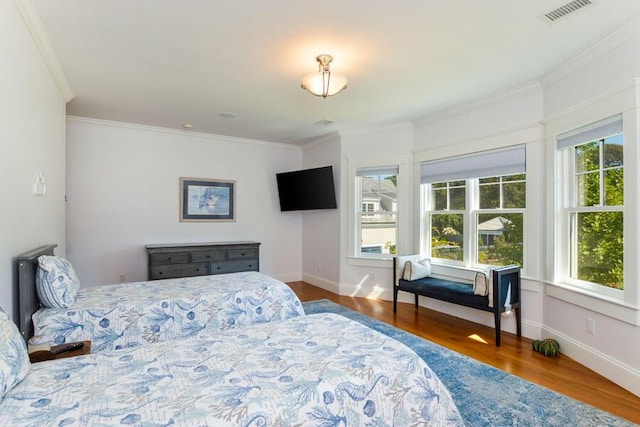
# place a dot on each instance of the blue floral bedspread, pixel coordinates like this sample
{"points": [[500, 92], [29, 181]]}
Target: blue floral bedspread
{"points": [[132, 314], [316, 370]]}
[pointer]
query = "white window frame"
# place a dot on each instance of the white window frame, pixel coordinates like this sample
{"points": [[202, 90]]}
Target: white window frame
{"points": [[477, 211], [427, 203], [403, 206], [567, 187], [359, 213], [626, 308], [512, 157], [470, 222]]}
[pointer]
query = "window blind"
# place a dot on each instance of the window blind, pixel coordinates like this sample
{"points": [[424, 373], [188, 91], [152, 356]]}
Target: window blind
{"points": [[591, 132], [478, 165], [375, 171]]}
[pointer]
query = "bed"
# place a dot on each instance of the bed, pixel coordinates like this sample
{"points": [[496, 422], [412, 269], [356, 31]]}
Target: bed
{"points": [[133, 314], [315, 370]]}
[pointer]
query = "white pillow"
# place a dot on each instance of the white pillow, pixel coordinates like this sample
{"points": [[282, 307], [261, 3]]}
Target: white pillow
{"points": [[57, 283], [414, 270], [401, 261], [14, 358], [482, 282]]}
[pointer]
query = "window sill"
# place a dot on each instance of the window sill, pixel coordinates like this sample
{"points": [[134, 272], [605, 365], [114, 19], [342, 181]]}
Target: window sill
{"points": [[608, 306], [371, 262]]}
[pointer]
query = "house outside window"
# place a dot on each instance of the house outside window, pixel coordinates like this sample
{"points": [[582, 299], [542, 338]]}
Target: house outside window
{"points": [[476, 217], [592, 220], [377, 194]]}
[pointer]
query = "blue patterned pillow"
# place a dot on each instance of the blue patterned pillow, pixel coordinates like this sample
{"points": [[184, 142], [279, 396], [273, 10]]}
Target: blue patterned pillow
{"points": [[14, 358], [56, 282]]}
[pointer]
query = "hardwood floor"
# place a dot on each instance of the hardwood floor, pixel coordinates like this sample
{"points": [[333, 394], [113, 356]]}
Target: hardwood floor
{"points": [[515, 355]]}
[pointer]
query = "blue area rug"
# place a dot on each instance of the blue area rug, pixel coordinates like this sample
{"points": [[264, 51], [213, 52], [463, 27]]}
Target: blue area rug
{"points": [[486, 396]]}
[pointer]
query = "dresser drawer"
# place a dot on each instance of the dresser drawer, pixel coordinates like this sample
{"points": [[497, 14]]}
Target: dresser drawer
{"points": [[233, 266], [188, 259], [242, 253], [169, 258], [204, 256], [178, 270]]}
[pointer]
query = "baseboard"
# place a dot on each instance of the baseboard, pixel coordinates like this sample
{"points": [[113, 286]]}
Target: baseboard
{"points": [[287, 277], [366, 291], [325, 284], [616, 371]]}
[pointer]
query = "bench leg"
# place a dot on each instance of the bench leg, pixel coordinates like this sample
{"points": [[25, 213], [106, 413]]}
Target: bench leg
{"points": [[496, 317], [518, 321], [395, 298], [416, 300]]}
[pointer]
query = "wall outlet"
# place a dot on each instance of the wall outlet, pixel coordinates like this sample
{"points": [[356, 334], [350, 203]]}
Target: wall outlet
{"points": [[123, 278], [591, 326], [318, 267]]}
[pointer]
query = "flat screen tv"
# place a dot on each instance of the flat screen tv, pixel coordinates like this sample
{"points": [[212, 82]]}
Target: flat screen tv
{"points": [[307, 189]]}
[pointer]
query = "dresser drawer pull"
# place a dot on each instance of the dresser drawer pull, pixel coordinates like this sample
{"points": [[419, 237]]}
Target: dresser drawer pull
{"points": [[169, 259], [218, 268]]}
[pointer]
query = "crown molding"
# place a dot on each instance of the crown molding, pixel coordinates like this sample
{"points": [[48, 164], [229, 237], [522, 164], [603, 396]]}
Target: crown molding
{"points": [[610, 42], [36, 28], [232, 139], [633, 85], [520, 91], [405, 125], [321, 140]]}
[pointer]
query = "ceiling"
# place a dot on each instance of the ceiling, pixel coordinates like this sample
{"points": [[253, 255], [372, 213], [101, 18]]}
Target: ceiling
{"points": [[167, 62]]}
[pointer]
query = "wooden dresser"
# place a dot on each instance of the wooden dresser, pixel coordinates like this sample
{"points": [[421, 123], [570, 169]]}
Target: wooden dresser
{"points": [[169, 261]]}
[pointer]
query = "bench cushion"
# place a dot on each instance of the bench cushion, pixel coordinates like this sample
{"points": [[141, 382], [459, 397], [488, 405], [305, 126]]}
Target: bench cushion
{"points": [[446, 290]]}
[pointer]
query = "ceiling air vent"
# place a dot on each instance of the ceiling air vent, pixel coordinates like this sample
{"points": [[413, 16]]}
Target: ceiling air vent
{"points": [[566, 9]]}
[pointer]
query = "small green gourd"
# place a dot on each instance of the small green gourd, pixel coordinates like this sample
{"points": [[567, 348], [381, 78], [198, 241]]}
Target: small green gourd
{"points": [[548, 347]]}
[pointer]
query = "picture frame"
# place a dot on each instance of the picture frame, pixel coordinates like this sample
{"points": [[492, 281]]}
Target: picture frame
{"points": [[203, 199]]}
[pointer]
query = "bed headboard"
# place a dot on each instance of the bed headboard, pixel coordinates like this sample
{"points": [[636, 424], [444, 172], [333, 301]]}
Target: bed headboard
{"points": [[28, 302]]}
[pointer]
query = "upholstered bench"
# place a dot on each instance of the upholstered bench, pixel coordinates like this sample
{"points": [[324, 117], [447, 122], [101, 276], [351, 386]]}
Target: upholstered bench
{"points": [[504, 284]]}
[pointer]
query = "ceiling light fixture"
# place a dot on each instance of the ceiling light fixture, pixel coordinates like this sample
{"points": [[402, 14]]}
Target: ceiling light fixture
{"points": [[324, 83]]}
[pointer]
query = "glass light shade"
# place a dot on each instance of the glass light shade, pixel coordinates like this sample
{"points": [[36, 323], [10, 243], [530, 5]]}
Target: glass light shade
{"points": [[324, 83]]}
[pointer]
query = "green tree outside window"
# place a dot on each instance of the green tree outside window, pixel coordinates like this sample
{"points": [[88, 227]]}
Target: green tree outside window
{"points": [[599, 245]]}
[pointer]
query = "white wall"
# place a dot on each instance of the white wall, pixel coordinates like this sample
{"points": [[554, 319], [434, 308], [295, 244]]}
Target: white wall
{"points": [[32, 140], [123, 187], [321, 228], [593, 87]]}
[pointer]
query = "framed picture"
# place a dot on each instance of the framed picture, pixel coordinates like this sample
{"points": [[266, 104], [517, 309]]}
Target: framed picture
{"points": [[207, 200]]}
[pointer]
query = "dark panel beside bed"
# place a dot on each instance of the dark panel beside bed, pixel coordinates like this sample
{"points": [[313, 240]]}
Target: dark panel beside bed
{"points": [[28, 302]]}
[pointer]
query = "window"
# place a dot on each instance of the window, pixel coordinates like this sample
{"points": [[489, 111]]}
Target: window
{"points": [[376, 190], [500, 220], [368, 208], [448, 201], [593, 177], [476, 217]]}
